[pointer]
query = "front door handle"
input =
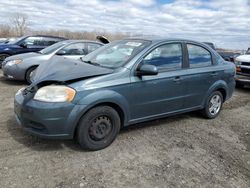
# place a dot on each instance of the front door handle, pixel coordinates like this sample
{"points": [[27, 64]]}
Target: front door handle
{"points": [[177, 79]]}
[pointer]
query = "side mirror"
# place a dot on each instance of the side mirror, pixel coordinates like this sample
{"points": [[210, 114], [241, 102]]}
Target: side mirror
{"points": [[147, 70], [24, 45], [61, 52]]}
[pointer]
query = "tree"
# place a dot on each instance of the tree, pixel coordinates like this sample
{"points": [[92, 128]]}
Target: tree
{"points": [[20, 23], [5, 30]]}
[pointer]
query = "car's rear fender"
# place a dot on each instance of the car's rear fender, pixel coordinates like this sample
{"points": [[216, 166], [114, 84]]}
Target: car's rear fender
{"points": [[221, 86]]}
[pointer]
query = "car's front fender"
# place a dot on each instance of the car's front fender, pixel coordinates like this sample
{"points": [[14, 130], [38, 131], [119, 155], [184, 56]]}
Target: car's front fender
{"points": [[106, 96]]}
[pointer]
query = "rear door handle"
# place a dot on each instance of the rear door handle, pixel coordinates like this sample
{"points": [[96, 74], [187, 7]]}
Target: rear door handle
{"points": [[214, 74]]}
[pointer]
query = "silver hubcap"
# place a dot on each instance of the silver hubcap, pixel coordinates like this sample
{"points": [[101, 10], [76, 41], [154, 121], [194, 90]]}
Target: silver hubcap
{"points": [[215, 104], [32, 73]]}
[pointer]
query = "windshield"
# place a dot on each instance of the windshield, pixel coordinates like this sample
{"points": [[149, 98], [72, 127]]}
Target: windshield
{"points": [[116, 53], [248, 51], [15, 41], [54, 47]]}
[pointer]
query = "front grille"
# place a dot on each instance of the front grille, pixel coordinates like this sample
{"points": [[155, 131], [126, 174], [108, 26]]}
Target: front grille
{"points": [[36, 126], [245, 63], [246, 71], [29, 89]]}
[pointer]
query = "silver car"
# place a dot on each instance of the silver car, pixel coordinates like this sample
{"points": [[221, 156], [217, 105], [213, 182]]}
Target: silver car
{"points": [[22, 66]]}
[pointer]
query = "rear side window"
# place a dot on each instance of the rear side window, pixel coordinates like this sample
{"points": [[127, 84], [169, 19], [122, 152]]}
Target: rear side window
{"points": [[47, 41], [167, 56], [92, 47], [75, 49], [198, 56]]}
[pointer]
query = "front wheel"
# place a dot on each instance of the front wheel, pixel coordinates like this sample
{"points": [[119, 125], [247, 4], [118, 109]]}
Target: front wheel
{"points": [[2, 58], [29, 74], [213, 105], [98, 128]]}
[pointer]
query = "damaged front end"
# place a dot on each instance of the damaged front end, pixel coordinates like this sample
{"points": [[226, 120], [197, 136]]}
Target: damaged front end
{"points": [[45, 116], [46, 108]]}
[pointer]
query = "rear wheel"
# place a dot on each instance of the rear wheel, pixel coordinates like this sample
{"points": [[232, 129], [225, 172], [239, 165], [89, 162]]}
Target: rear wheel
{"points": [[29, 74], [98, 128], [213, 105], [2, 58]]}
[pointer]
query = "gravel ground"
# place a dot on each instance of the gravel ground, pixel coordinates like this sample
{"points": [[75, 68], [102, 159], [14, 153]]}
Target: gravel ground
{"points": [[181, 151]]}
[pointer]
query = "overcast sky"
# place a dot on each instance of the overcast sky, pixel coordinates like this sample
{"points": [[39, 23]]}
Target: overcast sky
{"points": [[224, 22]]}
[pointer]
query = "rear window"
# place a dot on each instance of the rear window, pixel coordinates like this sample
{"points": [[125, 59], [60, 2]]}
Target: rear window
{"points": [[92, 47], [198, 56]]}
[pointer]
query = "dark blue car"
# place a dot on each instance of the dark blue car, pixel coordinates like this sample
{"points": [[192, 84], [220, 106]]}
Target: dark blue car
{"points": [[120, 84], [26, 44]]}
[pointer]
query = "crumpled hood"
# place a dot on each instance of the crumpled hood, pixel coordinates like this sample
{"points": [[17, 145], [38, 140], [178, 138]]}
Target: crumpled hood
{"points": [[243, 58], [62, 69]]}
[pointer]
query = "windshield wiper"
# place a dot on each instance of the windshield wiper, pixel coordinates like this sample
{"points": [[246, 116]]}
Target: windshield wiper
{"points": [[90, 62]]}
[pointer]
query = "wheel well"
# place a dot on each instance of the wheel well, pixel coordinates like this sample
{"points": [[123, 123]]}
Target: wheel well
{"points": [[5, 54], [110, 104], [116, 107], [33, 66], [223, 92]]}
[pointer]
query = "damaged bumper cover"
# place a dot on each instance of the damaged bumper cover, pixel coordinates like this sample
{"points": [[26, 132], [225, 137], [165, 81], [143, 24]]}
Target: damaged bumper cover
{"points": [[47, 120]]}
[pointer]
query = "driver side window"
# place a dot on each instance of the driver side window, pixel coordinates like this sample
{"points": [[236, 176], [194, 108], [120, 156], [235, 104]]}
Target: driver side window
{"points": [[75, 49], [32, 41], [167, 56]]}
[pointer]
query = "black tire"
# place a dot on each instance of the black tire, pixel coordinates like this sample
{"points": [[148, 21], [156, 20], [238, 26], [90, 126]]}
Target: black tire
{"points": [[239, 85], [98, 128], [28, 74], [2, 58], [207, 113]]}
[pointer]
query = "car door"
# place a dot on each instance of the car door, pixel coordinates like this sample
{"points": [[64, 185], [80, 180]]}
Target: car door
{"points": [[75, 50], [162, 93], [32, 44], [200, 75]]}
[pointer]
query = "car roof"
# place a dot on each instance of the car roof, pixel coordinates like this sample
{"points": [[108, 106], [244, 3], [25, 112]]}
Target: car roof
{"points": [[161, 39], [50, 36], [89, 41]]}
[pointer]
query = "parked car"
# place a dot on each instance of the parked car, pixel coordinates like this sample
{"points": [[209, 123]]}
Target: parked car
{"points": [[26, 44], [7, 40], [22, 66], [242, 63], [123, 83], [226, 55], [210, 44], [3, 40]]}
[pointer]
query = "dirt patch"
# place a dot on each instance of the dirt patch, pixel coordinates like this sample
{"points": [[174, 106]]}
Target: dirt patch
{"points": [[180, 151]]}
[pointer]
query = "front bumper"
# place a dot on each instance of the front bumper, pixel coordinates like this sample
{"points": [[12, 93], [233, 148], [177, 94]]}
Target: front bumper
{"points": [[47, 120], [243, 79], [13, 72]]}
